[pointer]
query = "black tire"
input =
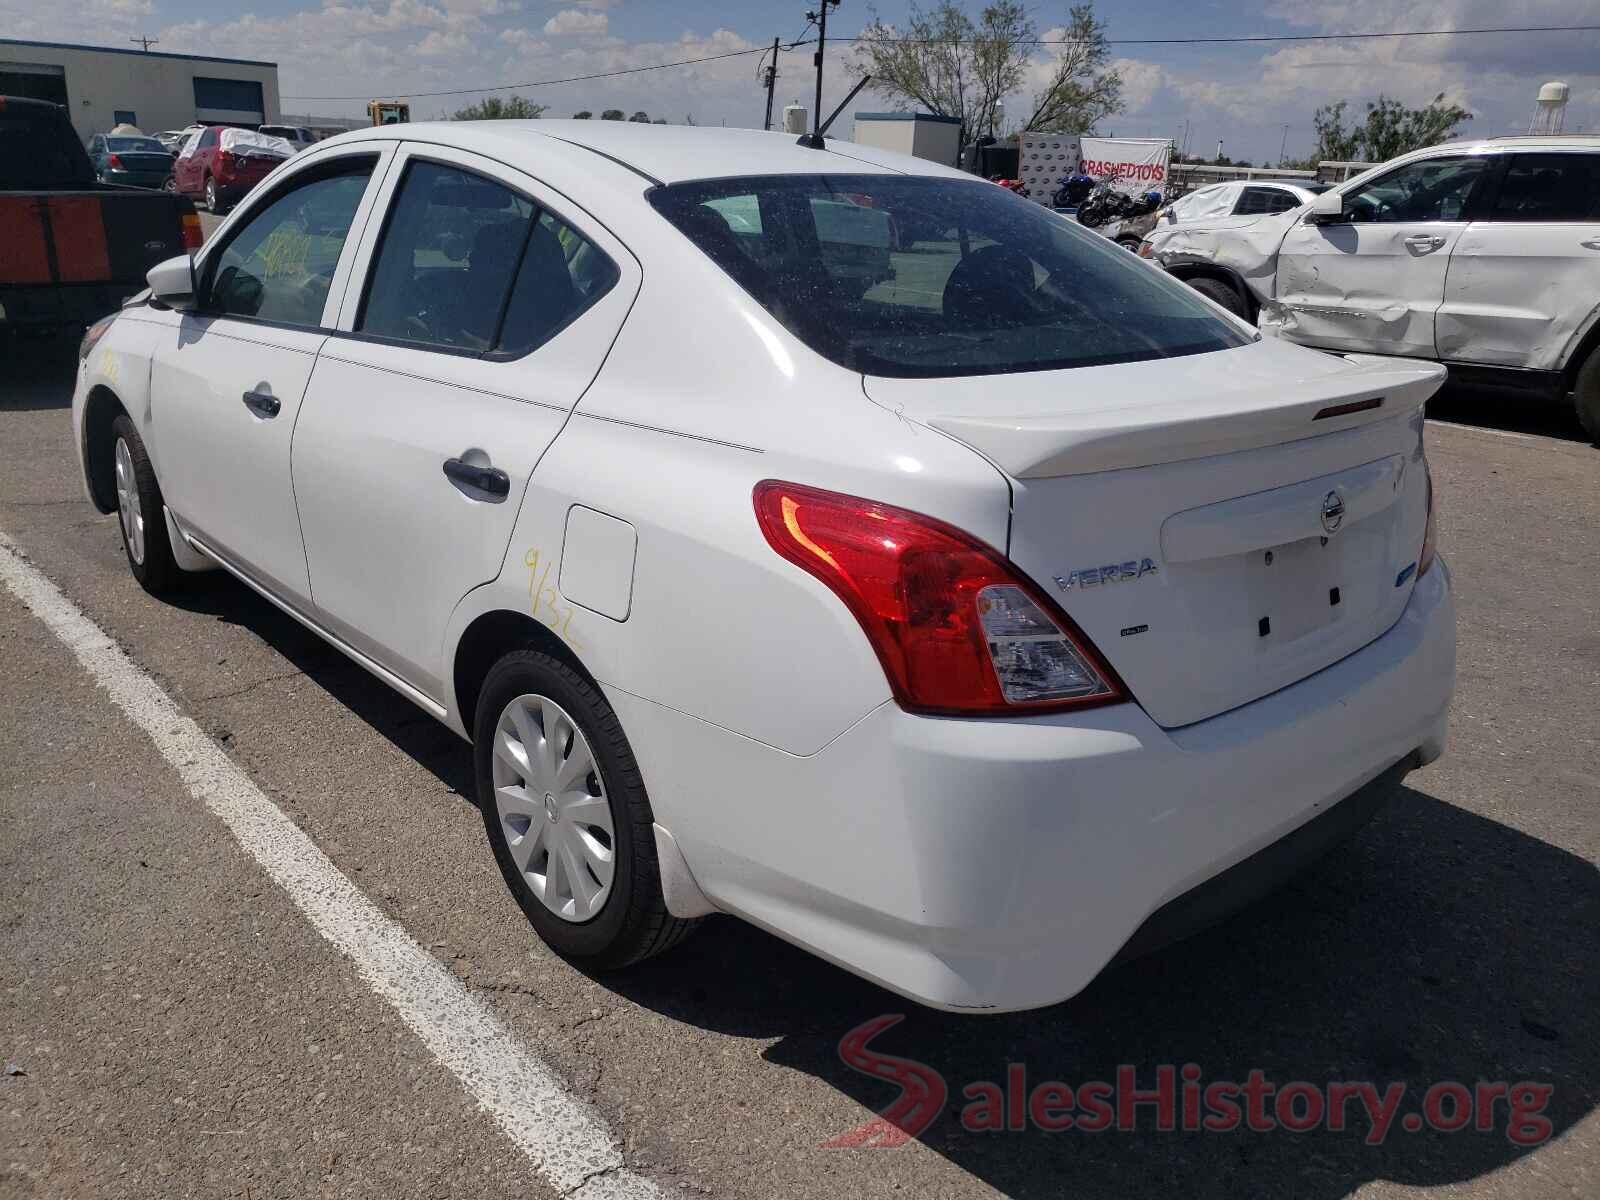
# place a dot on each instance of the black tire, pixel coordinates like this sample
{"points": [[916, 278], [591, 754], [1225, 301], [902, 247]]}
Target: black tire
{"points": [[1586, 395], [1220, 293], [150, 556], [1130, 243], [632, 923], [213, 201]]}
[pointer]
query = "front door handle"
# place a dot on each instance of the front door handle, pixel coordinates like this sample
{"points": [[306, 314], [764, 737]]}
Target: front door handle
{"points": [[1590, 243], [263, 404], [1424, 243], [477, 481]]}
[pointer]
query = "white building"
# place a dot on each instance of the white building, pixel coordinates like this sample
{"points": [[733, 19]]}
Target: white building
{"points": [[937, 139], [102, 86]]}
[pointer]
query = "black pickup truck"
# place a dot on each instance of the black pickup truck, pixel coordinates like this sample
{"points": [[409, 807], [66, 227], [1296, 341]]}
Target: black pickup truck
{"points": [[73, 249]]}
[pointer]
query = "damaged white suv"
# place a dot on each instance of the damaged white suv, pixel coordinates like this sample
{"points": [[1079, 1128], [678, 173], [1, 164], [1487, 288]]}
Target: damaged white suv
{"points": [[1484, 256]]}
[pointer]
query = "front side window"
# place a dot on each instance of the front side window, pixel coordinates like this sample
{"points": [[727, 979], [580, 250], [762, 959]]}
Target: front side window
{"points": [[467, 264], [1550, 187], [280, 265], [1435, 189], [910, 276]]}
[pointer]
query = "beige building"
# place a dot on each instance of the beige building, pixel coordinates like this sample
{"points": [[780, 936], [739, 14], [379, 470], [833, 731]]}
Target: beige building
{"points": [[105, 86]]}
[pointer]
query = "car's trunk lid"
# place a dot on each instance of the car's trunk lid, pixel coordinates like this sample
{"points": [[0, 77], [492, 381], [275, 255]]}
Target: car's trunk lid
{"points": [[1220, 525]]}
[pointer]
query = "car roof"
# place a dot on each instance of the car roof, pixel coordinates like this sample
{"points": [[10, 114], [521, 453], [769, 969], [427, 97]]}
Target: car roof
{"points": [[661, 153]]}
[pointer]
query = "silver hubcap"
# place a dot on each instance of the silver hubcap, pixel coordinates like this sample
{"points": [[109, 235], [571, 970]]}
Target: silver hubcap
{"points": [[552, 807], [128, 503]]}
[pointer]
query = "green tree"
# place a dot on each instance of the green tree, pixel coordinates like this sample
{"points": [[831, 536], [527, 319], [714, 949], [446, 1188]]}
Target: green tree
{"points": [[496, 108], [582, 116], [949, 64], [613, 114], [1393, 129], [1335, 143], [641, 117], [1390, 129]]}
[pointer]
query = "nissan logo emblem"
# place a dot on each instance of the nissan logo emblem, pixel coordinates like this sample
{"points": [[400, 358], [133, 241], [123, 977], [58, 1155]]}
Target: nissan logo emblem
{"points": [[1332, 511]]}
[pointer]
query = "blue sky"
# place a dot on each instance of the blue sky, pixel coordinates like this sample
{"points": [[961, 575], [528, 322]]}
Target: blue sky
{"points": [[1244, 95]]}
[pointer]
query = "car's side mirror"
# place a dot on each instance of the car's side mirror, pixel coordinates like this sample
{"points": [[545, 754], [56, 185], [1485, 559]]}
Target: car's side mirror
{"points": [[1326, 206], [172, 283]]}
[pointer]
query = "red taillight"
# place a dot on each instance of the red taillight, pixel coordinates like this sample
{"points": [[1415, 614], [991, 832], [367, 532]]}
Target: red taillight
{"points": [[957, 630], [1430, 531], [190, 231], [113, 162], [226, 161]]}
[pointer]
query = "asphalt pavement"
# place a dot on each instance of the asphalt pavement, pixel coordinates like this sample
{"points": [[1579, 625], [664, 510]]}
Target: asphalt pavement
{"points": [[174, 1023]]}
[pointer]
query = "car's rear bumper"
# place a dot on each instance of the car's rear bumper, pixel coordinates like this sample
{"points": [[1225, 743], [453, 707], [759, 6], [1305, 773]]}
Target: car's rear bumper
{"points": [[998, 865], [138, 179]]}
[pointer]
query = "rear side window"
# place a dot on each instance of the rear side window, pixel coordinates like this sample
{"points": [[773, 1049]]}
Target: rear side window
{"points": [[911, 276], [1258, 200], [466, 264], [1550, 187]]}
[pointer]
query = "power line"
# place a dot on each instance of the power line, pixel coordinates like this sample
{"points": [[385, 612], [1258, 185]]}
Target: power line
{"points": [[502, 87], [1185, 41], [1286, 37]]}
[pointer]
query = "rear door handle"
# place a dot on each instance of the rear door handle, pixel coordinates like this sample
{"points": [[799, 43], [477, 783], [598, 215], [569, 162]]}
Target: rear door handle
{"points": [[477, 482], [1590, 243], [1425, 243], [263, 404]]}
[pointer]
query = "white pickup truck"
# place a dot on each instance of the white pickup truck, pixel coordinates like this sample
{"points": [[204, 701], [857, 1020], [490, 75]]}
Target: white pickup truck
{"points": [[1482, 255]]}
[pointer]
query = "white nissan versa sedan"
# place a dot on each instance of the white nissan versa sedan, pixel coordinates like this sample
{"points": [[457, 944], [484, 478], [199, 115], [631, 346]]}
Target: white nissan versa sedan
{"points": [[814, 535]]}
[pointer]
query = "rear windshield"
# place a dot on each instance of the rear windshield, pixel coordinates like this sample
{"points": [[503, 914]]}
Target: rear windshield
{"points": [[132, 145], [912, 276], [38, 150]]}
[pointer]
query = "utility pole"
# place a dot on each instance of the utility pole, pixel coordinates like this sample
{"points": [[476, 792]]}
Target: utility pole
{"points": [[821, 18], [1282, 145], [772, 81], [146, 42]]}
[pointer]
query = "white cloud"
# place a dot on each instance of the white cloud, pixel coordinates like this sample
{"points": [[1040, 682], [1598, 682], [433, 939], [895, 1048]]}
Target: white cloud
{"points": [[571, 21]]}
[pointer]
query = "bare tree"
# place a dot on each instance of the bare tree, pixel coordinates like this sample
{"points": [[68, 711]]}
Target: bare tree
{"points": [[948, 64], [1080, 91]]}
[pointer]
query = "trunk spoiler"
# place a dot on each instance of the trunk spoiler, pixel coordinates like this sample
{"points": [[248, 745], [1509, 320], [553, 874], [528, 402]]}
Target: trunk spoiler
{"points": [[1173, 428]]}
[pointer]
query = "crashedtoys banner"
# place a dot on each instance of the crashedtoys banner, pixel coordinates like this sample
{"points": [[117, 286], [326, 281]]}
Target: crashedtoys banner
{"points": [[1131, 165]]}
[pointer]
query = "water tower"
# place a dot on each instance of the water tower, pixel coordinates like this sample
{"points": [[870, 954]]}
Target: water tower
{"points": [[1551, 114]]}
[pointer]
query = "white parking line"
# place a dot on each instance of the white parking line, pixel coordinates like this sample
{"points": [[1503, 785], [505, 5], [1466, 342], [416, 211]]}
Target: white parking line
{"points": [[565, 1140]]}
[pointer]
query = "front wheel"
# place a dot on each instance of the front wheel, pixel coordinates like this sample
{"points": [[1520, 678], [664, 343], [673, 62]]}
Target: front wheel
{"points": [[1220, 293], [567, 815], [141, 513]]}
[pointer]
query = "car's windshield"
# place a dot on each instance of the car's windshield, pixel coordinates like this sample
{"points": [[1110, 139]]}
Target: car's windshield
{"points": [[891, 275], [134, 145]]}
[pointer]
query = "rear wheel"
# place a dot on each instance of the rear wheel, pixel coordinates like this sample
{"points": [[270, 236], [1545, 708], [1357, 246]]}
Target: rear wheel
{"points": [[1220, 293], [1129, 243], [567, 814], [1586, 395], [212, 204], [141, 515]]}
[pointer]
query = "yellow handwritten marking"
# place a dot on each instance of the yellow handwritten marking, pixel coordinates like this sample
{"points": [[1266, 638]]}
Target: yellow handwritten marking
{"points": [[110, 365], [285, 252], [542, 600]]}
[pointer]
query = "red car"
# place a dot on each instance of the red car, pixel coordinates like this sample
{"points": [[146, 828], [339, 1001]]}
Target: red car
{"points": [[221, 165]]}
